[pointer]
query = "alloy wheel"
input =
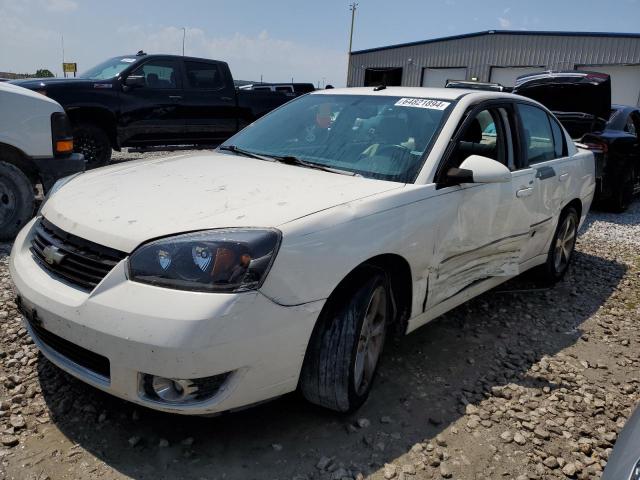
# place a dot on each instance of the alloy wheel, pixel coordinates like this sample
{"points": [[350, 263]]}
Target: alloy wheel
{"points": [[370, 340], [565, 243]]}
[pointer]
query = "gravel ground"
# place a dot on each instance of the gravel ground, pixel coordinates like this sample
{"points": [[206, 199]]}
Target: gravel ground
{"points": [[519, 383]]}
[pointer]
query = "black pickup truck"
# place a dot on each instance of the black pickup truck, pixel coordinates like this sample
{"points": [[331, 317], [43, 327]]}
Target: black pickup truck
{"points": [[149, 100]]}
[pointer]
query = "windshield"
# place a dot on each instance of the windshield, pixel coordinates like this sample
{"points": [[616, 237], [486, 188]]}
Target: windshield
{"points": [[379, 137], [109, 68]]}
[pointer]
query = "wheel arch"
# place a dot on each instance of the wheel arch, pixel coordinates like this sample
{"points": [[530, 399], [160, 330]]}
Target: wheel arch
{"points": [[101, 117], [16, 157], [398, 272], [575, 203]]}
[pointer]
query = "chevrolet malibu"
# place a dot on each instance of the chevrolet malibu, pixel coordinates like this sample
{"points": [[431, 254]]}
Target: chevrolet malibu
{"points": [[202, 283]]}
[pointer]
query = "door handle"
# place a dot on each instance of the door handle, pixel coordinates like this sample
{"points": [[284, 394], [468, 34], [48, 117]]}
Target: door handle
{"points": [[564, 176], [175, 97], [524, 192]]}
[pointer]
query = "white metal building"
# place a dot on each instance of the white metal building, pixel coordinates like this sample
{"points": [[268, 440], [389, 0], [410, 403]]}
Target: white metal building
{"points": [[501, 56]]}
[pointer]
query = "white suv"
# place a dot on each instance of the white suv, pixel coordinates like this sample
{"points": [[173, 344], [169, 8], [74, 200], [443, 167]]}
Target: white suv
{"points": [[206, 282]]}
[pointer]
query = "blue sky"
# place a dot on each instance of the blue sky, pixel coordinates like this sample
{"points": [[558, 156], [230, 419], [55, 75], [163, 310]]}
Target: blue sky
{"points": [[280, 39]]}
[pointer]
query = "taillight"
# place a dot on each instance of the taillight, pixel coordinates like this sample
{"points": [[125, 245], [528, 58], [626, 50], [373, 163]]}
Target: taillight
{"points": [[597, 146], [61, 134]]}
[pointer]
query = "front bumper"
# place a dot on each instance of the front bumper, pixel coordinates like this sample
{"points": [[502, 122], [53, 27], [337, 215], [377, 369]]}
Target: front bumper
{"points": [[53, 169], [169, 333]]}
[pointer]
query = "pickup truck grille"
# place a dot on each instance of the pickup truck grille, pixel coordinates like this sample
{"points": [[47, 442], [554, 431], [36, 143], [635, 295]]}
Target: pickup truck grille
{"points": [[78, 261]]}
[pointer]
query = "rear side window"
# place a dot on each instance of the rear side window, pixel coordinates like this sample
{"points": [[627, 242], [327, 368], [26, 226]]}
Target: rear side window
{"points": [[559, 139], [538, 137], [203, 76]]}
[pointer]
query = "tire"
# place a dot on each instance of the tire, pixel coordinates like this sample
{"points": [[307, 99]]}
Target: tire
{"points": [[622, 197], [17, 200], [93, 142], [558, 258], [335, 374]]}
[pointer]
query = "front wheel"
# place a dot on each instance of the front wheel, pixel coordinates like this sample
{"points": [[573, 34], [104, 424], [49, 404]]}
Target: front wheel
{"points": [[17, 200], [93, 142], [343, 354], [561, 249]]}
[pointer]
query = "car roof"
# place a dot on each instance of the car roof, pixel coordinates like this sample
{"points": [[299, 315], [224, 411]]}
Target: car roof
{"points": [[415, 92]]}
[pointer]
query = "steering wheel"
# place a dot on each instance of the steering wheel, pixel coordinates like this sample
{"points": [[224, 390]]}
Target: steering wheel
{"points": [[392, 150]]}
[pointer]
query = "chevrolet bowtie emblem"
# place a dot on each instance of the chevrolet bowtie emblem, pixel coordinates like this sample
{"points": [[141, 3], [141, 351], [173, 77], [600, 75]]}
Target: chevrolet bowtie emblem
{"points": [[53, 255]]}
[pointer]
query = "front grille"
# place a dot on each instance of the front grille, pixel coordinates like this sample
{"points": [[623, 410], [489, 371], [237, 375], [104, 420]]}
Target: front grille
{"points": [[76, 260], [81, 356]]}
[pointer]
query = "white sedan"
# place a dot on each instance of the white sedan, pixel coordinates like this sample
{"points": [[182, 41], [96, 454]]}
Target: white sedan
{"points": [[206, 282]]}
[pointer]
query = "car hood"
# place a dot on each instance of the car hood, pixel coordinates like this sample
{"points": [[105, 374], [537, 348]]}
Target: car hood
{"points": [[43, 83], [580, 100], [125, 205]]}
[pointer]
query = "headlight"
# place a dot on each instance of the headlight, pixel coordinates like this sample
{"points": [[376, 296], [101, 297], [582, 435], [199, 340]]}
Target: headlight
{"points": [[57, 186], [226, 260]]}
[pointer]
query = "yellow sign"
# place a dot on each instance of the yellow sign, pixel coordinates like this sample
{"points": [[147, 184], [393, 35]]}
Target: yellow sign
{"points": [[69, 67]]}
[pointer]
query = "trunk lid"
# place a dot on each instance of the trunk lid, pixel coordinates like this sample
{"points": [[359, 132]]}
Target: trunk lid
{"points": [[580, 100]]}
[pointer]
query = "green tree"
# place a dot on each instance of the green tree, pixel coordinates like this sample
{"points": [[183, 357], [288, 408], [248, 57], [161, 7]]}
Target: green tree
{"points": [[43, 73]]}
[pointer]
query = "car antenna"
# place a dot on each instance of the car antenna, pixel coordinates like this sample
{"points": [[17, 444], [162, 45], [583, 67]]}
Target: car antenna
{"points": [[140, 53], [379, 87]]}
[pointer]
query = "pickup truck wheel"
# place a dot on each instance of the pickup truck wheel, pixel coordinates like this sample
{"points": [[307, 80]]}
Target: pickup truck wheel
{"points": [[561, 249], [343, 354], [17, 200], [93, 142]]}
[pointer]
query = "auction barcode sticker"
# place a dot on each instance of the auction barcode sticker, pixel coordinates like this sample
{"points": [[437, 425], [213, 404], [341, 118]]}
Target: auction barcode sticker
{"points": [[422, 103]]}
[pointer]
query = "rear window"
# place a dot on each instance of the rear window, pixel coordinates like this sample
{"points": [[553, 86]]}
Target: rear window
{"points": [[204, 76]]}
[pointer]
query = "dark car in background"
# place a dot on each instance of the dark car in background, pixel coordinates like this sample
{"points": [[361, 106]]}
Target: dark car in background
{"points": [[582, 102], [153, 100], [624, 461]]}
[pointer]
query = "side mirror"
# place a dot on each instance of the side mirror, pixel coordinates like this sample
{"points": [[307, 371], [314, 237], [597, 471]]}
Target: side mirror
{"points": [[133, 81], [478, 169]]}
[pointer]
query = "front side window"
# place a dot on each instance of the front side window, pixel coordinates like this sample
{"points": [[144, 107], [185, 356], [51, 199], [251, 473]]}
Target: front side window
{"points": [[379, 137], [482, 136], [538, 137], [203, 76], [158, 74]]}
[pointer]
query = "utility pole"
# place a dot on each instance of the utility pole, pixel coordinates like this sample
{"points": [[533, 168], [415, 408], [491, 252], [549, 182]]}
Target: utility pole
{"points": [[184, 34], [62, 40], [352, 6]]}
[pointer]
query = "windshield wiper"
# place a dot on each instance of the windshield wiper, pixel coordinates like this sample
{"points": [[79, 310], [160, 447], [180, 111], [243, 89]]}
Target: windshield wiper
{"points": [[286, 159], [291, 160], [246, 153]]}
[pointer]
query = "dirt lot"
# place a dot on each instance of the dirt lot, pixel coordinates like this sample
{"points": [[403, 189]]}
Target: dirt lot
{"points": [[519, 383]]}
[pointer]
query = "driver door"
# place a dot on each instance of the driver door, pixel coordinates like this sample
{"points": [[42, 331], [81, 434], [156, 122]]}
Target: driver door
{"points": [[154, 112], [490, 231]]}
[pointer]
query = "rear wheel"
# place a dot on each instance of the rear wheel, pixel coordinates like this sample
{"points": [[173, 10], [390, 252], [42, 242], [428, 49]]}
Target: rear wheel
{"points": [[17, 200], [623, 195], [93, 142], [561, 249], [344, 351]]}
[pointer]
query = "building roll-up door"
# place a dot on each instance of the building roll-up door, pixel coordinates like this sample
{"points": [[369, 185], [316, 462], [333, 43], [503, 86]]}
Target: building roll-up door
{"points": [[390, 77], [507, 75], [625, 82], [437, 77]]}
